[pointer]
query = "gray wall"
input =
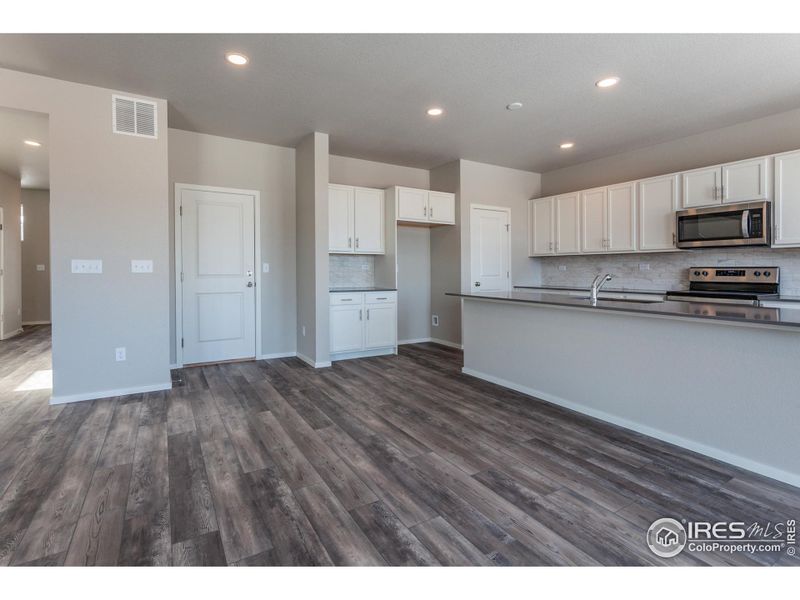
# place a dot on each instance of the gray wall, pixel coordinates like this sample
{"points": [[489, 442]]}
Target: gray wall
{"points": [[36, 251], [109, 200], [12, 284], [366, 173], [201, 159], [776, 133], [311, 169]]}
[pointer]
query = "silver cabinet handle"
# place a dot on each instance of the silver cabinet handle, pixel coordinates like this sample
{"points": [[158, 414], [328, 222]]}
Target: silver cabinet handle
{"points": [[550, 246], [380, 298], [360, 314], [674, 239], [722, 192], [431, 213], [367, 314], [356, 242], [349, 242]]}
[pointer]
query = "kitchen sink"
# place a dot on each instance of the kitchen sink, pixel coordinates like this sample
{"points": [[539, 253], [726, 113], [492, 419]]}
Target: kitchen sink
{"points": [[628, 300]]}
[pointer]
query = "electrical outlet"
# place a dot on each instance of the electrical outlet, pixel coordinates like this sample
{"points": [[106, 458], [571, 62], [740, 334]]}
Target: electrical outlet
{"points": [[93, 267], [562, 267], [120, 354], [644, 266], [304, 330], [365, 267], [435, 320], [40, 267], [141, 266]]}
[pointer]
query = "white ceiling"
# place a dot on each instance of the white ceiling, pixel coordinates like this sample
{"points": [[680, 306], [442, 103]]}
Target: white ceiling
{"points": [[30, 165], [370, 92]]}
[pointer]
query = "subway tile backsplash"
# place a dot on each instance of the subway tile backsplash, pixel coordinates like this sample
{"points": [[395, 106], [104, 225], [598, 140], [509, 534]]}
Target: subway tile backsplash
{"points": [[351, 270], [667, 271]]}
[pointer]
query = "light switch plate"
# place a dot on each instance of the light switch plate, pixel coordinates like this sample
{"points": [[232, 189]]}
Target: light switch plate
{"points": [[119, 354], [265, 267], [644, 266], [141, 266], [562, 267], [40, 267], [92, 267]]}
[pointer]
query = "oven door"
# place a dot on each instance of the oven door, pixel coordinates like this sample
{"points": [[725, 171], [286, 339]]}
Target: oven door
{"points": [[744, 224]]}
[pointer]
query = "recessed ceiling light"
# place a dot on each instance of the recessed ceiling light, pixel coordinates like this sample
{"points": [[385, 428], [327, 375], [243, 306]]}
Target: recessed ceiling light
{"points": [[435, 111], [514, 106], [236, 59], [33, 143], [567, 145], [607, 82]]}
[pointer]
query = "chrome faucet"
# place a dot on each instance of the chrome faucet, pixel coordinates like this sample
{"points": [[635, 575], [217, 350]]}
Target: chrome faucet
{"points": [[598, 283]]}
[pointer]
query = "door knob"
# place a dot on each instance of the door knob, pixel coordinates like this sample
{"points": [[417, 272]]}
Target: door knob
{"points": [[250, 284], [477, 284]]}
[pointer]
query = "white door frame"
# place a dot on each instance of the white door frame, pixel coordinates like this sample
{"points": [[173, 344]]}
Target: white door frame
{"points": [[3, 273], [179, 187], [504, 209]]}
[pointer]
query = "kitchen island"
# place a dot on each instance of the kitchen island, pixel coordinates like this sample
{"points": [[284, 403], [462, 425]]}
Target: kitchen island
{"points": [[718, 379]]}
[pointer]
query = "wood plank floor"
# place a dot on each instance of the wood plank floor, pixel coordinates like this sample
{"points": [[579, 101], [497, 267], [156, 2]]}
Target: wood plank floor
{"points": [[398, 460]]}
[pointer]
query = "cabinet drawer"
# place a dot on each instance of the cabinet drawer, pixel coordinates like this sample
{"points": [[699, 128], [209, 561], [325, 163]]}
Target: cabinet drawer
{"points": [[380, 297], [343, 299]]}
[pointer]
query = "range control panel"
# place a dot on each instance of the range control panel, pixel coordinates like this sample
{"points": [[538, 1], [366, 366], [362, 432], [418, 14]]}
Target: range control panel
{"points": [[735, 274]]}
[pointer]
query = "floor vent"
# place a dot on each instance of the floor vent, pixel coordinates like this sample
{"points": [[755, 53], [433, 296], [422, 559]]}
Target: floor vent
{"points": [[132, 116]]}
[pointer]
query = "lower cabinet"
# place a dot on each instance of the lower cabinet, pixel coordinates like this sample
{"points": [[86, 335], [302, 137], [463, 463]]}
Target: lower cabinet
{"points": [[363, 324]]}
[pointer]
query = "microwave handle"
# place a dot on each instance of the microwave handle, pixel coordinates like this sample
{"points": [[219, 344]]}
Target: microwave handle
{"points": [[745, 224]]}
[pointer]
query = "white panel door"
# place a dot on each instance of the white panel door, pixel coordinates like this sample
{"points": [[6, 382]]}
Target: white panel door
{"points": [[746, 180], [490, 250], [347, 328], [568, 224], [441, 207], [786, 206], [380, 326], [218, 265], [369, 221], [701, 187], [621, 225], [593, 220], [658, 202], [340, 218], [541, 228], [412, 205]]}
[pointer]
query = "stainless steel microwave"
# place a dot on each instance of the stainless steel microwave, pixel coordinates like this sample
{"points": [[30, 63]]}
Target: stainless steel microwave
{"points": [[745, 224]]}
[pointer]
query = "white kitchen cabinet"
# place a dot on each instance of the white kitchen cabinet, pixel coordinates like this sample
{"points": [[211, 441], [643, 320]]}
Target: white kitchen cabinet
{"points": [[658, 202], [441, 207], [347, 330], [621, 218], [540, 227], [369, 221], [362, 324], [424, 206], [746, 180], [380, 327], [741, 181], [568, 224], [356, 222], [594, 215], [786, 206], [340, 218]]}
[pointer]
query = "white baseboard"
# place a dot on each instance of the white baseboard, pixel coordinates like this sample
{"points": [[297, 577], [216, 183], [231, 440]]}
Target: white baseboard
{"points": [[448, 344], [156, 387], [362, 354], [24, 323], [415, 341], [308, 361], [12, 334], [716, 453], [277, 355]]}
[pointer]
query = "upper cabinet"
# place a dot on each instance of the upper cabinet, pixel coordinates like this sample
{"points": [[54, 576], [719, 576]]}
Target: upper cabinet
{"points": [[541, 232], [608, 217], [567, 224], [423, 206], [786, 207], [741, 181], [356, 222], [658, 201]]}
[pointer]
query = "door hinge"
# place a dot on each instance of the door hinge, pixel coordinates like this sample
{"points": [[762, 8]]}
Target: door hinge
{"points": [[181, 276], [181, 342], [508, 227], [508, 275]]}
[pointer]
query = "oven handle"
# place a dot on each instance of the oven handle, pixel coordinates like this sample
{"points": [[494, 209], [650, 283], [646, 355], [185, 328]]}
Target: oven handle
{"points": [[746, 224]]}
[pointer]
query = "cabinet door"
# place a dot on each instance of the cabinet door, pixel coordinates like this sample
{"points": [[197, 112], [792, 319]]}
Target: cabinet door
{"points": [[658, 202], [786, 206], [746, 180], [347, 328], [340, 218], [369, 221], [380, 329], [568, 224], [441, 207], [540, 227], [412, 205], [593, 220], [621, 223], [701, 187]]}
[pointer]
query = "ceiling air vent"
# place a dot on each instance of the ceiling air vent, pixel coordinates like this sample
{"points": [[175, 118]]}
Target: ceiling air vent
{"points": [[132, 116]]}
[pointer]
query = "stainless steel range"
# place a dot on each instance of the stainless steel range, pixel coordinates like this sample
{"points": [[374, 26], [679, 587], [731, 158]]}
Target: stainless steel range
{"points": [[736, 285]]}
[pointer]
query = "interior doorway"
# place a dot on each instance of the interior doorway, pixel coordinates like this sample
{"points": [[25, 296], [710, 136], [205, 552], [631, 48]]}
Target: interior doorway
{"points": [[490, 248]]}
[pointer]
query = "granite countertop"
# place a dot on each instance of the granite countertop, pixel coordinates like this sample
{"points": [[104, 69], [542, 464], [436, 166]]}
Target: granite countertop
{"points": [[733, 313], [623, 290], [362, 289]]}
